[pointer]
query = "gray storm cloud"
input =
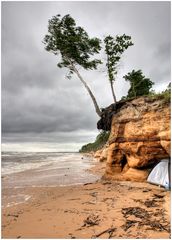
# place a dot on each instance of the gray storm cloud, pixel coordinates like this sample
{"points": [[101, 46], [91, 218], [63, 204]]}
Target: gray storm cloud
{"points": [[37, 98]]}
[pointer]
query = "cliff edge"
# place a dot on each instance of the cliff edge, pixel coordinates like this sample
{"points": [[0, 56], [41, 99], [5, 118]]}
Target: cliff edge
{"points": [[139, 138]]}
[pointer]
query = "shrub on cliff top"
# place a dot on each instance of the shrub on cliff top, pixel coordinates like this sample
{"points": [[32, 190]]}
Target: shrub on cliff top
{"points": [[139, 84], [164, 95]]}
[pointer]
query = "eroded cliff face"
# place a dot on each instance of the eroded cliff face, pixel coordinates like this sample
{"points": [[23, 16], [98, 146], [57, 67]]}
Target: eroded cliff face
{"points": [[140, 137]]}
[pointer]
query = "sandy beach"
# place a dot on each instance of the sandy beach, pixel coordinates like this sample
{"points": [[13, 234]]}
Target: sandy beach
{"points": [[86, 120], [102, 209]]}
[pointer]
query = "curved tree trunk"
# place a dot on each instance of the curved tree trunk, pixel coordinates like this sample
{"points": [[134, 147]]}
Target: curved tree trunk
{"points": [[113, 93], [98, 111]]}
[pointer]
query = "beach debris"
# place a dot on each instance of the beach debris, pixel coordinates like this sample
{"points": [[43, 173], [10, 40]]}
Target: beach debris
{"points": [[106, 183], [85, 184], [18, 236], [90, 189], [146, 190], [136, 211], [71, 211], [71, 236], [128, 224], [90, 202], [110, 231], [150, 203], [154, 225], [159, 212], [91, 220], [94, 194], [73, 199], [107, 198], [145, 216], [158, 195], [130, 188], [13, 215], [137, 200]]}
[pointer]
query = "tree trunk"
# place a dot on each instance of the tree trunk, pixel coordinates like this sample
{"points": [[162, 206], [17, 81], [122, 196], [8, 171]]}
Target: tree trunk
{"points": [[113, 93], [98, 111], [133, 88]]}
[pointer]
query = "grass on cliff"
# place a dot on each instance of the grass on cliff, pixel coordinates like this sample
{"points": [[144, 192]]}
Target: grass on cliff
{"points": [[100, 141], [164, 95]]}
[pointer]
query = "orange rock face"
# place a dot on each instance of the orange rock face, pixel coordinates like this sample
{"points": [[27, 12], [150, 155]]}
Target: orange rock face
{"points": [[101, 154], [140, 137]]}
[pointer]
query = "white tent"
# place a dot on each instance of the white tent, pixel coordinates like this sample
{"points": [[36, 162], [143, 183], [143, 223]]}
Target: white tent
{"points": [[160, 174]]}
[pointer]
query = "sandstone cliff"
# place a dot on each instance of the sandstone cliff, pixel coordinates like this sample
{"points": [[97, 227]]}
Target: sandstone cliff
{"points": [[140, 137]]}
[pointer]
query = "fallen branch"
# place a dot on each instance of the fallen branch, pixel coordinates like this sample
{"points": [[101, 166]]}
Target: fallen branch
{"points": [[91, 220], [85, 184], [109, 230]]}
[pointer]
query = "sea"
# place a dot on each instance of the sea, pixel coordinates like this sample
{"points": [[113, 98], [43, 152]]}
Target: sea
{"points": [[20, 170]]}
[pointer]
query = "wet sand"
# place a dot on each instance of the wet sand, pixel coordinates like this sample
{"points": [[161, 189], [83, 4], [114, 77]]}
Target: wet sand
{"points": [[95, 210]]}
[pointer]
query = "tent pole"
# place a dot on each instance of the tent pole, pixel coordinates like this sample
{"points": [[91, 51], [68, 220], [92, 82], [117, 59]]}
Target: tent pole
{"points": [[169, 172]]}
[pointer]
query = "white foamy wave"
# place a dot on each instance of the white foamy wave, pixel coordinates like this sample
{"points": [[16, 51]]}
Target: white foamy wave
{"points": [[45, 169], [16, 167], [15, 200], [15, 162]]}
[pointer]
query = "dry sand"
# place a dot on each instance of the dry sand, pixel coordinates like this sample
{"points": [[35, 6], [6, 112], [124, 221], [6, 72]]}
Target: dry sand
{"points": [[96, 210]]}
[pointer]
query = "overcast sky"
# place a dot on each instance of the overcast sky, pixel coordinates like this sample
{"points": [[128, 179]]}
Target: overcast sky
{"points": [[41, 109]]}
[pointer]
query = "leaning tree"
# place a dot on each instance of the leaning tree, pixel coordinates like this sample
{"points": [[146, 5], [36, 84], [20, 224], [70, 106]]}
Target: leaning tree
{"points": [[114, 47], [76, 48]]}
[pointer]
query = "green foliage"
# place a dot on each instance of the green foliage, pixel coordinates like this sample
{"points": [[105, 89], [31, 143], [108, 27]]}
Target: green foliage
{"points": [[164, 95], [72, 42], [114, 47], [139, 84], [100, 141], [76, 48]]}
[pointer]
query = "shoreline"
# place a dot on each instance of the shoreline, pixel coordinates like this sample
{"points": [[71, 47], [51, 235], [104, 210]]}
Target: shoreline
{"points": [[102, 209]]}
